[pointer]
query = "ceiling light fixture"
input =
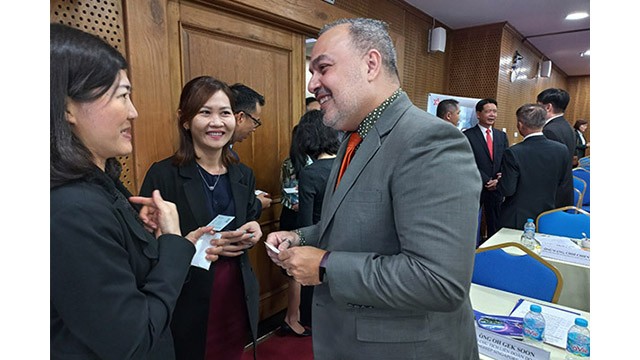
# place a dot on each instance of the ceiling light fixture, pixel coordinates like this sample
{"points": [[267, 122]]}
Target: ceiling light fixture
{"points": [[585, 53], [577, 15]]}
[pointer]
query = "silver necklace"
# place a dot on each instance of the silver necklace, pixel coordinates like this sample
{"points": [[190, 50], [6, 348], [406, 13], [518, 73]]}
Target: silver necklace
{"points": [[205, 180]]}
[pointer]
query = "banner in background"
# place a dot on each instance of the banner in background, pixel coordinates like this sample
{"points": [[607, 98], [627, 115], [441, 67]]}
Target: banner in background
{"points": [[468, 117]]}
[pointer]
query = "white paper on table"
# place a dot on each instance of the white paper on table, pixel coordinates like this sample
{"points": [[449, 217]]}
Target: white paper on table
{"points": [[563, 248], [557, 321], [291, 190], [204, 241]]}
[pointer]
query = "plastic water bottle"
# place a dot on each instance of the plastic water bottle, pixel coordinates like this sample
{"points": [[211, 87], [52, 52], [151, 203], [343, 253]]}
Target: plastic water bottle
{"points": [[533, 325], [528, 238], [578, 341]]}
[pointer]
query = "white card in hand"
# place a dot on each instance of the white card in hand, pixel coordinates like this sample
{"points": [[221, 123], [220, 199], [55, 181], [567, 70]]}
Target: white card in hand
{"points": [[204, 242], [273, 248], [220, 221]]}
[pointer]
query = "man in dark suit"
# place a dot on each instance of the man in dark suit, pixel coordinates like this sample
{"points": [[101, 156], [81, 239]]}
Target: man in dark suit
{"points": [[247, 109], [532, 170], [391, 259], [488, 145], [557, 128]]}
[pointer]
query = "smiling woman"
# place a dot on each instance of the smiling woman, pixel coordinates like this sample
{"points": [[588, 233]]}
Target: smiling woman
{"points": [[204, 180]]}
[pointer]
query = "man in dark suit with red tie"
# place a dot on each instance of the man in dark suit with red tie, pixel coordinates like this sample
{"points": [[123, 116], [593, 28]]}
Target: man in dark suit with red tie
{"points": [[488, 145]]}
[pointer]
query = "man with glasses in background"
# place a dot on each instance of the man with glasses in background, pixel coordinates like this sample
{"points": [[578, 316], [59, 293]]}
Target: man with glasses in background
{"points": [[248, 109]]}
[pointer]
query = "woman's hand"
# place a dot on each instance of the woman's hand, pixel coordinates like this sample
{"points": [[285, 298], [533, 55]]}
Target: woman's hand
{"points": [[159, 216], [234, 243]]}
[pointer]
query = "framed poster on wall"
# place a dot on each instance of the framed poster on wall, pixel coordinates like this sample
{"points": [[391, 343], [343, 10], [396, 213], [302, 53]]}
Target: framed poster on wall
{"points": [[468, 117]]}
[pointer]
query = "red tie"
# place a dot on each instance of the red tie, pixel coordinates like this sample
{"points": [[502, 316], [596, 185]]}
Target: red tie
{"points": [[354, 140], [490, 143]]}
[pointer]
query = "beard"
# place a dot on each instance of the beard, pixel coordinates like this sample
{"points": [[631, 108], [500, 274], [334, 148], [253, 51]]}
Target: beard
{"points": [[342, 109]]}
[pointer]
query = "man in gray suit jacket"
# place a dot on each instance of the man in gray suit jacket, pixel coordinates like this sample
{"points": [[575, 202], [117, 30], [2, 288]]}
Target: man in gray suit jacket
{"points": [[392, 255]]}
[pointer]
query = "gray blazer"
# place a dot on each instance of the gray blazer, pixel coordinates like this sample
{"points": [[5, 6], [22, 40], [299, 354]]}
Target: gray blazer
{"points": [[402, 229]]}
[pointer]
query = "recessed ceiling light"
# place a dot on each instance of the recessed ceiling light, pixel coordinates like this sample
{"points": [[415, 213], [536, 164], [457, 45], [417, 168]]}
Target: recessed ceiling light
{"points": [[585, 53], [577, 15]]}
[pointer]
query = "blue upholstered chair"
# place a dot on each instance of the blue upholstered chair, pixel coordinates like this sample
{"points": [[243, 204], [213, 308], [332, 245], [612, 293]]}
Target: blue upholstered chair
{"points": [[585, 175], [566, 221], [580, 186], [585, 163], [519, 271]]}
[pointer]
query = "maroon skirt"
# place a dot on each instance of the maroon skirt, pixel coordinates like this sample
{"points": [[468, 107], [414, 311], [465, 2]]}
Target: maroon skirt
{"points": [[228, 324]]}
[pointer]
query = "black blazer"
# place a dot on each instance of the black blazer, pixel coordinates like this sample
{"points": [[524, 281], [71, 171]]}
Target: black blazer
{"points": [[581, 146], [532, 173], [183, 186], [113, 285], [488, 168], [559, 130]]}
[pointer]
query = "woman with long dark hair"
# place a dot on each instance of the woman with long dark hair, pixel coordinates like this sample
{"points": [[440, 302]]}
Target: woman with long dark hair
{"points": [[113, 283]]}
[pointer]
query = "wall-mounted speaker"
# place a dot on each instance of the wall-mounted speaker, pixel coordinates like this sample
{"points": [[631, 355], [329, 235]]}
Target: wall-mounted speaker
{"points": [[437, 39], [545, 69]]}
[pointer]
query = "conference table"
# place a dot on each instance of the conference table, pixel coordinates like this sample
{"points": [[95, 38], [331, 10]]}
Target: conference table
{"points": [[576, 277], [497, 302]]}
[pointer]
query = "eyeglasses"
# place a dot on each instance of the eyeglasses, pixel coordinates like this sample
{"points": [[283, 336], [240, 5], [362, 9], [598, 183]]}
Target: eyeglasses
{"points": [[256, 122]]}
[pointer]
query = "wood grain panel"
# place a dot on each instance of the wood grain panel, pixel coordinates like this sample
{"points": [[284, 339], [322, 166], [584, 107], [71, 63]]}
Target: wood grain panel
{"points": [[155, 130], [105, 19]]}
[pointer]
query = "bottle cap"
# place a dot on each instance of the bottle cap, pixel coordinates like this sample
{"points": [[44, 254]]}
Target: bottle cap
{"points": [[537, 309], [581, 322], [529, 220]]}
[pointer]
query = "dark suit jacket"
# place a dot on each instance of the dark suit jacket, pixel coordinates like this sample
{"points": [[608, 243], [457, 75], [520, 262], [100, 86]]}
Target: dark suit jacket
{"points": [[113, 285], [532, 172], [559, 130], [397, 281], [183, 186], [488, 168]]}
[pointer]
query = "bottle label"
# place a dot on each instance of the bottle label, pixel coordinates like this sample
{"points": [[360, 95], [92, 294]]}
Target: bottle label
{"points": [[533, 333], [578, 345], [532, 329]]}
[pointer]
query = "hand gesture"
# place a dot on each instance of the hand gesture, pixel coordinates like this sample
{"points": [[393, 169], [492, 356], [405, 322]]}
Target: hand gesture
{"points": [[158, 216]]}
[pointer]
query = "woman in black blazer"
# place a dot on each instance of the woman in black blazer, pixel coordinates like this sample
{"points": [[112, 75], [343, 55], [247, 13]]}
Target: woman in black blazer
{"points": [[113, 284], [581, 142], [218, 308]]}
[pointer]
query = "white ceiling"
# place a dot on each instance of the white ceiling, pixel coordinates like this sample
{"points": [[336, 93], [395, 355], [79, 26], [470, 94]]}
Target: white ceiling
{"points": [[562, 40]]}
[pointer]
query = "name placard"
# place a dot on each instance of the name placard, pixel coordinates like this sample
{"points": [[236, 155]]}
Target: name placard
{"points": [[563, 249], [504, 348]]}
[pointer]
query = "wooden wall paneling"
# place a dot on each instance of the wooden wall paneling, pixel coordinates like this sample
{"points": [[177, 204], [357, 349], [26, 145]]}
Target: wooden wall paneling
{"points": [[513, 94], [579, 87], [475, 59], [105, 19], [305, 16], [153, 80]]}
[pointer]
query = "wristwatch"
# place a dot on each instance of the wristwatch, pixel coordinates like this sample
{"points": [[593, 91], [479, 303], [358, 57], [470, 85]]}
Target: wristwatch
{"points": [[323, 266]]}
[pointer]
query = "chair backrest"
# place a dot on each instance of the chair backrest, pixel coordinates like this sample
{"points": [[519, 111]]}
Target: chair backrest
{"points": [[585, 162], [581, 186], [585, 175], [566, 221], [526, 274], [577, 198]]}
